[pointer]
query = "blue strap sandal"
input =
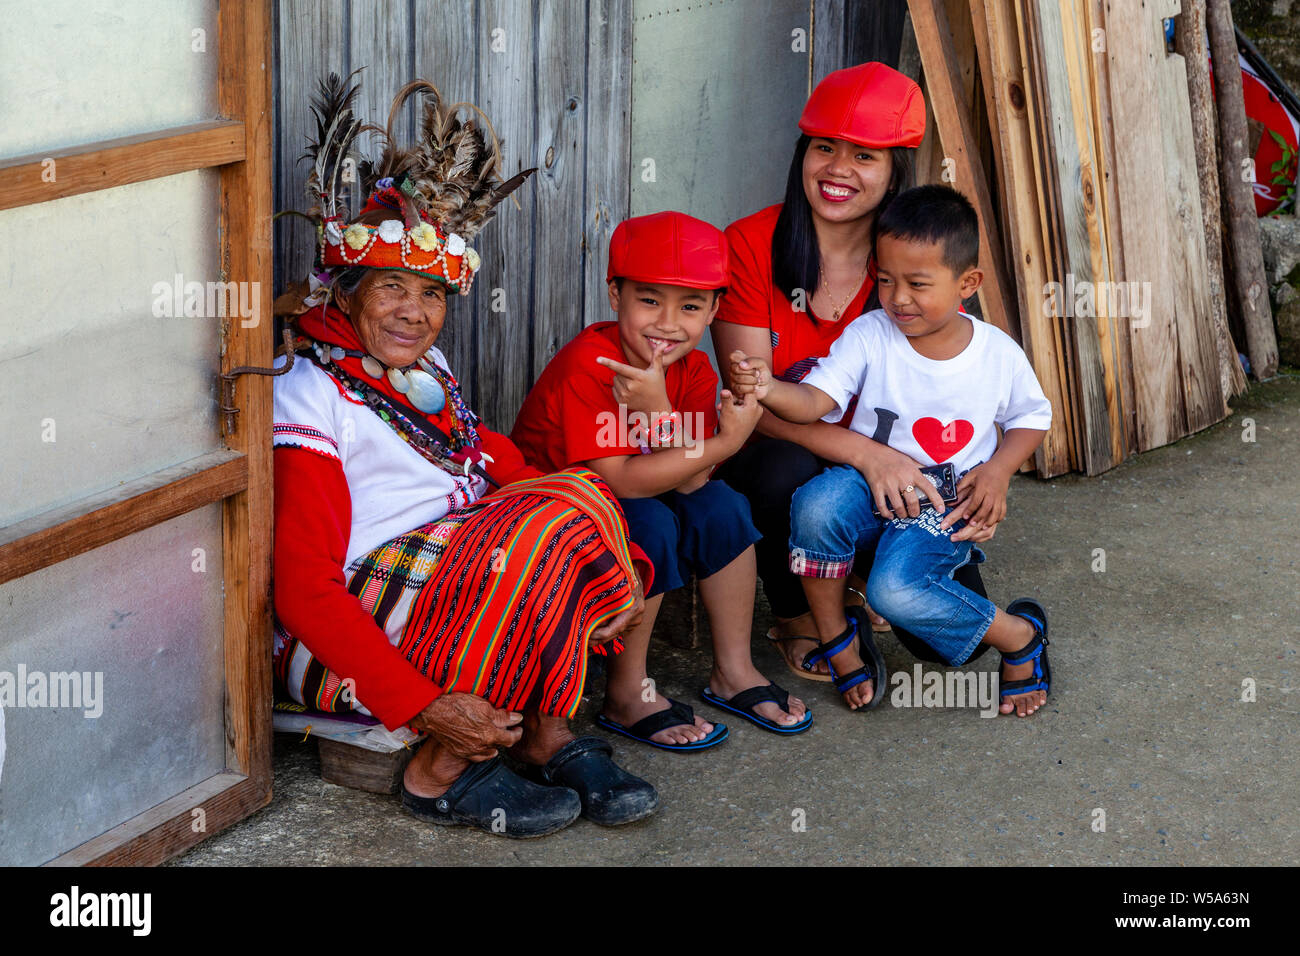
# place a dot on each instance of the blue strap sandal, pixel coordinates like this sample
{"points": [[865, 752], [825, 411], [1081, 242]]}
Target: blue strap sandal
{"points": [[873, 668], [744, 703], [1035, 650], [676, 715]]}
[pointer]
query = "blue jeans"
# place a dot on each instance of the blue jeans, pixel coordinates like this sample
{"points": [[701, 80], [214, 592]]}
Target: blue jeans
{"points": [[911, 582], [699, 533]]}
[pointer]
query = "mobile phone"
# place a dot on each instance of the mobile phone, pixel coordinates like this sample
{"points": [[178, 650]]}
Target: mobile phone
{"points": [[944, 477]]}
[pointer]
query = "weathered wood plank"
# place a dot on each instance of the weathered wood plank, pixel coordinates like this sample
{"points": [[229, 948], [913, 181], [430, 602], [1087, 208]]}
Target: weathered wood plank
{"points": [[873, 31], [115, 162], [557, 185], [1072, 176], [508, 94], [313, 37], [1049, 217], [244, 91], [939, 60], [447, 55], [1190, 41], [1004, 79], [608, 198], [828, 40], [64, 533], [379, 37], [1144, 222], [1120, 345], [1198, 359], [1246, 260]]}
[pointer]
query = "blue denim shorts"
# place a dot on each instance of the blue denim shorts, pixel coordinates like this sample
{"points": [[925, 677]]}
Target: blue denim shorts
{"points": [[699, 533], [911, 582]]}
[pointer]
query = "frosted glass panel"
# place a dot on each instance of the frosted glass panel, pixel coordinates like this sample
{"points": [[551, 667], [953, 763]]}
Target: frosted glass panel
{"points": [[96, 389], [137, 613], [727, 73], [77, 71]]}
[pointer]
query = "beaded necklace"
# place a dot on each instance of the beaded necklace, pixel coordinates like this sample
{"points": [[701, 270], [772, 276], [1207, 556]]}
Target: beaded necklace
{"points": [[456, 460]]}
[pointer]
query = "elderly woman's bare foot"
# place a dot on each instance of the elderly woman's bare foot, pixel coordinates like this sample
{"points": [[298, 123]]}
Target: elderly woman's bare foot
{"points": [[542, 739], [433, 770]]}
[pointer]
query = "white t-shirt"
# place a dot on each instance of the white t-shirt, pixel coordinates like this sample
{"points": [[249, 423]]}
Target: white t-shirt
{"points": [[393, 488], [931, 410]]}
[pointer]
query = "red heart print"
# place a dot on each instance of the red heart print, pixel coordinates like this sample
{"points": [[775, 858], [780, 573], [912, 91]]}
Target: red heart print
{"points": [[941, 441]]}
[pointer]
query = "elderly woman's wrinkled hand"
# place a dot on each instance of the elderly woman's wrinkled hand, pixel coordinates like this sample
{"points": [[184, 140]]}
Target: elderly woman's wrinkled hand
{"points": [[468, 726], [626, 621]]}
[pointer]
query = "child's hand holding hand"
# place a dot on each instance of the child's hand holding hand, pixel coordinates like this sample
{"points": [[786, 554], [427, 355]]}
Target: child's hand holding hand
{"points": [[982, 501], [736, 421], [749, 376]]}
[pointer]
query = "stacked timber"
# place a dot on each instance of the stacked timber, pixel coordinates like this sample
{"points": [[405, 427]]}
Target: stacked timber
{"points": [[1092, 175]]}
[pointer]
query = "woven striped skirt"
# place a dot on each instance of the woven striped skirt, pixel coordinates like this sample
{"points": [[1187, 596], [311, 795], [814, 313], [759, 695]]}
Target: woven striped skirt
{"points": [[498, 599]]}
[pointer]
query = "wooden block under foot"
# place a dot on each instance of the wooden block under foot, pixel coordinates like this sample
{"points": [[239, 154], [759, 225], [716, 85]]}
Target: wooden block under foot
{"points": [[361, 769]]}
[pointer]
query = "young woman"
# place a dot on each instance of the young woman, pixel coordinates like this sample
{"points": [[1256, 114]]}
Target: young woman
{"points": [[801, 271]]}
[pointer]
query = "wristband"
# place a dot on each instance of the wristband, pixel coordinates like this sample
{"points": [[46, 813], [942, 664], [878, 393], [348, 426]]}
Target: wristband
{"points": [[664, 428]]}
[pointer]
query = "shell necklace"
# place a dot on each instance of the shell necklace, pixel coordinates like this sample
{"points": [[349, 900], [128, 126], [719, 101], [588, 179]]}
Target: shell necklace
{"points": [[838, 309], [418, 384]]}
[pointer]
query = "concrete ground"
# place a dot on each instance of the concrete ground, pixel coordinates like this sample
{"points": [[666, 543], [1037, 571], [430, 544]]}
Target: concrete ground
{"points": [[1146, 721]]}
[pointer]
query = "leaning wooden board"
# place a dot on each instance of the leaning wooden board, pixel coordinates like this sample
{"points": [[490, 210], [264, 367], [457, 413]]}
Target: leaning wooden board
{"points": [[1003, 75], [938, 58], [1104, 133], [1198, 355], [1063, 60], [1144, 222]]}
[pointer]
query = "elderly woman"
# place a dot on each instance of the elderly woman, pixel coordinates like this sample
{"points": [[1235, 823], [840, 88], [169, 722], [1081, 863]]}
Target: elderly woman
{"points": [[802, 270], [405, 586]]}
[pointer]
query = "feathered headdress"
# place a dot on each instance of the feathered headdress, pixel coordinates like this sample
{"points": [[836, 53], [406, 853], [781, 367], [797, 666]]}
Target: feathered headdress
{"points": [[440, 192]]}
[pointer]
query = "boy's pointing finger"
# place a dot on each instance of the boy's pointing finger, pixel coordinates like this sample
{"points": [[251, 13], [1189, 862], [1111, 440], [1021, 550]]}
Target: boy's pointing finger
{"points": [[616, 366]]}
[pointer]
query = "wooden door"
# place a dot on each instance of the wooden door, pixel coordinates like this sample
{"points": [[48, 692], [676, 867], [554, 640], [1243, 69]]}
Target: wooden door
{"points": [[135, 513]]}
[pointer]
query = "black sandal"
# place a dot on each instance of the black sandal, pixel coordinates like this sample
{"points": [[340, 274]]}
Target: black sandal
{"points": [[610, 795], [493, 798]]}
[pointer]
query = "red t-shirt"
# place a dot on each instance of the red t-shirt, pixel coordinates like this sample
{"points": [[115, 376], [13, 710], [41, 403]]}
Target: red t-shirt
{"points": [[570, 415], [798, 338]]}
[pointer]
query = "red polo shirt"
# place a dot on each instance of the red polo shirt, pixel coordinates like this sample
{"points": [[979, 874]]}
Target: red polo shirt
{"points": [[798, 338], [570, 415]]}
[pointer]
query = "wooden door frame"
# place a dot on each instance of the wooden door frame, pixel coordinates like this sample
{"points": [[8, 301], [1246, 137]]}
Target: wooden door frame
{"points": [[239, 145]]}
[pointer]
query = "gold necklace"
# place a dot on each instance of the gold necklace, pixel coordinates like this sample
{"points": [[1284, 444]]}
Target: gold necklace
{"points": [[837, 309]]}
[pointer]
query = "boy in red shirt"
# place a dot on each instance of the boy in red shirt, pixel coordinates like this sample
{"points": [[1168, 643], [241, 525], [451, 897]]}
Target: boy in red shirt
{"points": [[633, 400]]}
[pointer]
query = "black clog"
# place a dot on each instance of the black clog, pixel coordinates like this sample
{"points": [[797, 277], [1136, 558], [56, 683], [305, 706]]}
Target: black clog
{"points": [[493, 798], [610, 795]]}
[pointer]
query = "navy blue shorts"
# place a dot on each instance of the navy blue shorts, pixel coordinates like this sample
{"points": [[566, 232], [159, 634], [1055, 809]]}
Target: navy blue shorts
{"points": [[700, 533]]}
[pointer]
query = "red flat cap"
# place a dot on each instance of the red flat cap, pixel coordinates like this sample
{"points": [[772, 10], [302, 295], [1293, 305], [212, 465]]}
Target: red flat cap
{"points": [[869, 104], [671, 248]]}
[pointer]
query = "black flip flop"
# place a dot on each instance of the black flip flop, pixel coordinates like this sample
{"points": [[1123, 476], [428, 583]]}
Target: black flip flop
{"points": [[677, 715], [744, 703], [491, 797], [610, 795]]}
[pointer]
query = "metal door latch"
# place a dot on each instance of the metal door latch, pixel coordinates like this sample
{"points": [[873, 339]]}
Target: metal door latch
{"points": [[228, 408]]}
